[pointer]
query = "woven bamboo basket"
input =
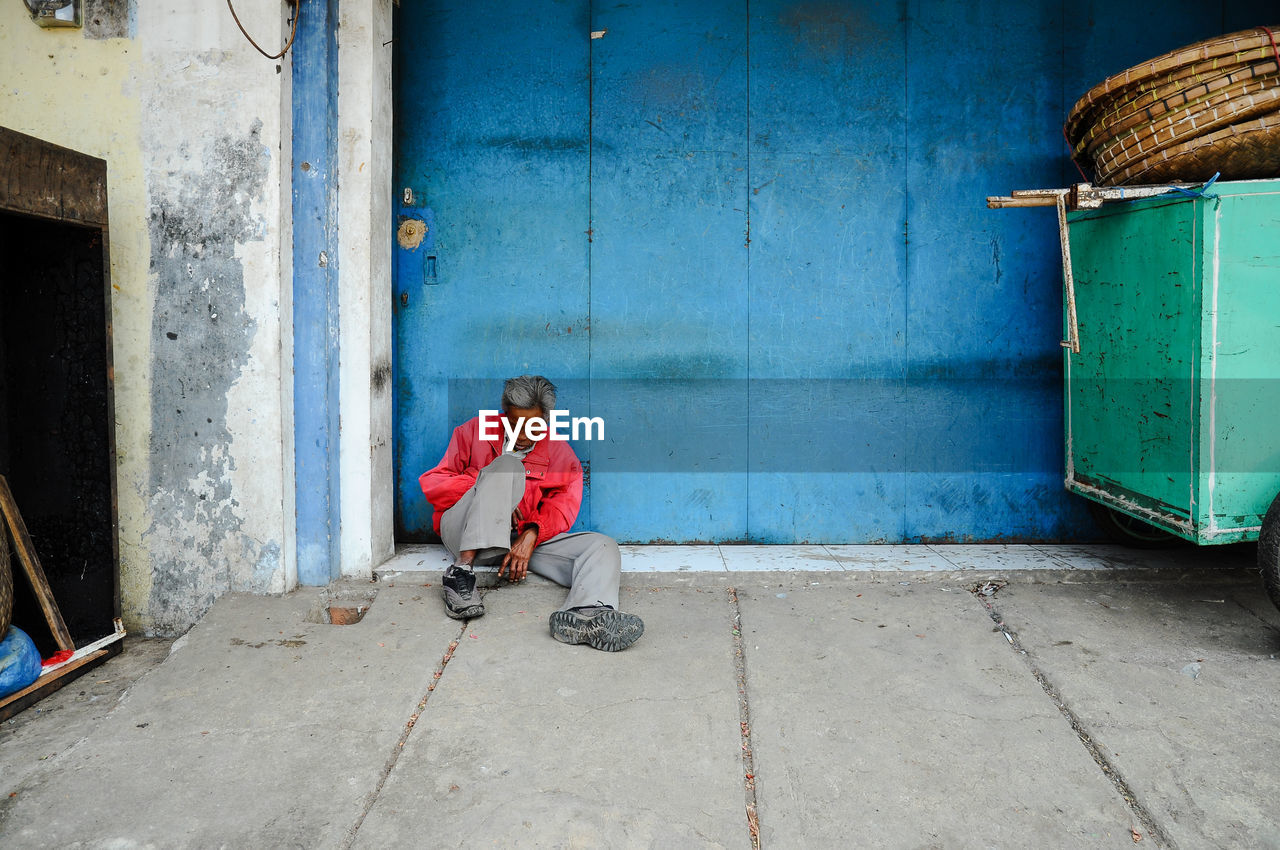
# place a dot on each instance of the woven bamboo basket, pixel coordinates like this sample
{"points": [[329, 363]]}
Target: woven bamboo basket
{"points": [[1090, 118], [1230, 108], [1211, 105], [1199, 58], [1174, 98], [6, 584], [1247, 151]]}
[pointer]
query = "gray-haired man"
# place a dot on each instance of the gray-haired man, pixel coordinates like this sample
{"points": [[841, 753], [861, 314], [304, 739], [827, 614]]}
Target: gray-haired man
{"points": [[511, 503]]}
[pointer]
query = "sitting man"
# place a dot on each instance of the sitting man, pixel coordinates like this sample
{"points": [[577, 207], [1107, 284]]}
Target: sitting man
{"points": [[512, 501]]}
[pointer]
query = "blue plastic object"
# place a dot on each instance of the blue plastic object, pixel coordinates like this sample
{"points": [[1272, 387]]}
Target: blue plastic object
{"points": [[19, 662]]}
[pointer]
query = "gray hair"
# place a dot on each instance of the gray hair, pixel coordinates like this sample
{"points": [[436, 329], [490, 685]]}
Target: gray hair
{"points": [[529, 391]]}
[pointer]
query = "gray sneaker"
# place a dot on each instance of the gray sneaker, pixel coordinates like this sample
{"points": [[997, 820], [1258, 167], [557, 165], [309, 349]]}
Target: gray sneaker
{"points": [[599, 626], [461, 601]]}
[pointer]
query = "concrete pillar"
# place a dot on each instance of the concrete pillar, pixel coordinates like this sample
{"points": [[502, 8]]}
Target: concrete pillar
{"points": [[364, 219]]}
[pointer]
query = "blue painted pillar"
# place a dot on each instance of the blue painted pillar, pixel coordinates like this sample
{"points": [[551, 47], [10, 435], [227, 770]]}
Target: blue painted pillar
{"points": [[315, 290]]}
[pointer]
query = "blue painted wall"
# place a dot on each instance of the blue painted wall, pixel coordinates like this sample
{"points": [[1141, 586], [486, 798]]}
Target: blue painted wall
{"points": [[315, 291], [752, 237]]}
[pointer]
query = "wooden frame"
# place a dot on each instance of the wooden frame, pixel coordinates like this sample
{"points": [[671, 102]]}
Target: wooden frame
{"points": [[81, 662], [44, 181], [31, 566]]}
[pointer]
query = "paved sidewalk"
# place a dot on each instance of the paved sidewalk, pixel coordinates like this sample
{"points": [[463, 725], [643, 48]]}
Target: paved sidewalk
{"points": [[870, 696]]}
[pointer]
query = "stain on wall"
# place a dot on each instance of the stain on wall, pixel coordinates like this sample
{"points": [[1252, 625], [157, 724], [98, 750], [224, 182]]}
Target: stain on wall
{"points": [[380, 377], [216, 518], [108, 18], [829, 28], [201, 337]]}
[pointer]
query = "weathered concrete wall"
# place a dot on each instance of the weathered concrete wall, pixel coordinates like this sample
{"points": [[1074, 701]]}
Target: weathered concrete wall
{"points": [[213, 146], [364, 219], [189, 119]]}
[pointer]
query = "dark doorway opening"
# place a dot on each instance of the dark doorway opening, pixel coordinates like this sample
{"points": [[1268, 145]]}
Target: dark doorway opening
{"points": [[55, 419]]}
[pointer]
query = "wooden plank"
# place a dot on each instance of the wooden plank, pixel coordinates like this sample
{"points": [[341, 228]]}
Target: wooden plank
{"points": [[41, 179], [31, 565], [996, 202], [1072, 341], [42, 687]]}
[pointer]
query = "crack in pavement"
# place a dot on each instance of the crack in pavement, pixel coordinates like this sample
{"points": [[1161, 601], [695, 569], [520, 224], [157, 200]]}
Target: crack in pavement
{"points": [[1255, 614], [1144, 817], [744, 719], [350, 839]]}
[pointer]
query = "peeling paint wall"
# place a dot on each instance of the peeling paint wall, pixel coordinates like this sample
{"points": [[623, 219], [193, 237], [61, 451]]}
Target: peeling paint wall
{"points": [[189, 119]]}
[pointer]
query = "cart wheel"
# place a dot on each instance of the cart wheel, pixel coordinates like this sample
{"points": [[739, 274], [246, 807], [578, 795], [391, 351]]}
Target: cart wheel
{"points": [[1269, 551], [1129, 531]]}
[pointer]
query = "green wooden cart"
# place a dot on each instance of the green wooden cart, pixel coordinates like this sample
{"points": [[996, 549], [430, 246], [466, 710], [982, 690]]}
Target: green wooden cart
{"points": [[1172, 401]]}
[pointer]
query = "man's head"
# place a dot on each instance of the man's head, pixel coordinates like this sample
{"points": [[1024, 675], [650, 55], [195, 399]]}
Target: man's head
{"points": [[527, 397]]}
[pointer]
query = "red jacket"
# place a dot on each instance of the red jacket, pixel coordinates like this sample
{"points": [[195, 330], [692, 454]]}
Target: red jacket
{"points": [[552, 479]]}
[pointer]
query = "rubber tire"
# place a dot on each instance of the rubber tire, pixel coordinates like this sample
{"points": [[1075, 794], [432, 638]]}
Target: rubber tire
{"points": [[1127, 531], [1269, 551]]}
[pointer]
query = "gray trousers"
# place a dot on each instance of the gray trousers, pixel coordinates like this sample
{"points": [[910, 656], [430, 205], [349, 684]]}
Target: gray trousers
{"points": [[586, 562]]}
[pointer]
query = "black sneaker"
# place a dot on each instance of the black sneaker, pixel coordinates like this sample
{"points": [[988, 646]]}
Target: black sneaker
{"points": [[597, 625], [461, 601]]}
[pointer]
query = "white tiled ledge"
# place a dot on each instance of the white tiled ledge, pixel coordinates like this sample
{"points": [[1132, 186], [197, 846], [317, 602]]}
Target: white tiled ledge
{"points": [[872, 557]]}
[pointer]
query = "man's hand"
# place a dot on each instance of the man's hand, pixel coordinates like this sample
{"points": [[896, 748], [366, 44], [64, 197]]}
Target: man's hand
{"points": [[516, 563], [515, 518]]}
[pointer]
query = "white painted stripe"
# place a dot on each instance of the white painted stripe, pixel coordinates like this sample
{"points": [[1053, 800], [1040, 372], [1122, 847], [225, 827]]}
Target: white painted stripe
{"points": [[1213, 364], [1193, 415]]}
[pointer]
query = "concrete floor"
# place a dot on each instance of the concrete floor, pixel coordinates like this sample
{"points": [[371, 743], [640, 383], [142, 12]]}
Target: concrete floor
{"points": [[806, 696]]}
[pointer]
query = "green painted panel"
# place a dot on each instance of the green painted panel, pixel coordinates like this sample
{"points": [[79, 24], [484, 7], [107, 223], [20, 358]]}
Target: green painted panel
{"points": [[1240, 398], [1173, 403], [1130, 389]]}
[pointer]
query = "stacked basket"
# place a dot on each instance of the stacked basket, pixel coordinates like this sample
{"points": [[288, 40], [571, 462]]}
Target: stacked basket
{"points": [[1212, 107]]}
